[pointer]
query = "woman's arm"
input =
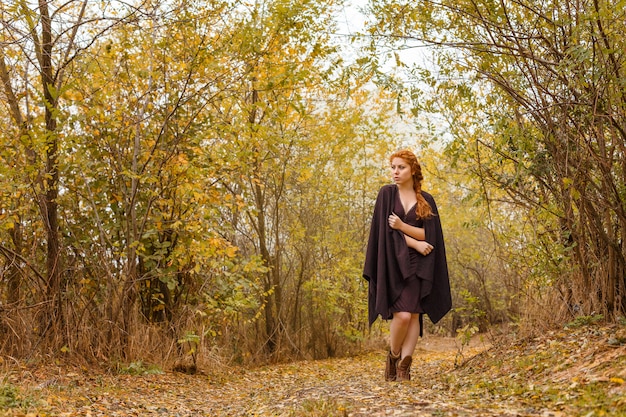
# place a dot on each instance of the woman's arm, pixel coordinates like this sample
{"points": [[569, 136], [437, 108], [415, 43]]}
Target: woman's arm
{"points": [[415, 236], [415, 232], [421, 246]]}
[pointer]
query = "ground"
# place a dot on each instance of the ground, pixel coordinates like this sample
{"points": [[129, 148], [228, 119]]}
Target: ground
{"points": [[574, 371]]}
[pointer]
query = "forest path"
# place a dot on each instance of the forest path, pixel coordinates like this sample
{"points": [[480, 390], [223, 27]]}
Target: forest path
{"points": [[573, 373]]}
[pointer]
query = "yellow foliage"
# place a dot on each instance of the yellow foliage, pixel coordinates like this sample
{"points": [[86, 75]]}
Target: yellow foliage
{"points": [[231, 251]]}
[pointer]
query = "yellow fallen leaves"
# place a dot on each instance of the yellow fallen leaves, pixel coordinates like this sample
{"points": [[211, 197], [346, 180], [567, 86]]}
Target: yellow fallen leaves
{"points": [[519, 378]]}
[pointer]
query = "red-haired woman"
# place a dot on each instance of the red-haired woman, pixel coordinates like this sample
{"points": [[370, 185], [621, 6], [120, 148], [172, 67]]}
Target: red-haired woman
{"points": [[405, 262]]}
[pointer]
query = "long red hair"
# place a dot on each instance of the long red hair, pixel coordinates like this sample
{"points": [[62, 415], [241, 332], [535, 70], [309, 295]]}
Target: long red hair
{"points": [[422, 208]]}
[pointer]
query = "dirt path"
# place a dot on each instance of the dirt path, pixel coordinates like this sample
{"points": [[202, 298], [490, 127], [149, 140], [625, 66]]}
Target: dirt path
{"points": [[353, 387], [338, 387], [523, 379]]}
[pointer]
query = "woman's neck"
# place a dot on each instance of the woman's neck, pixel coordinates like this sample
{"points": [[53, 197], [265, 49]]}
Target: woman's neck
{"points": [[406, 187]]}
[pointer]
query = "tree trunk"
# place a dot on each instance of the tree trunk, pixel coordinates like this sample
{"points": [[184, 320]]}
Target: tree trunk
{"points": [[269, 283], [48, 200], [13, 287]]}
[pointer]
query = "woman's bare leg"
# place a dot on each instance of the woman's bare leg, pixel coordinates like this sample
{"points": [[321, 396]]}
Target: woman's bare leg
{"points": [[411, 336], [399, 329]]}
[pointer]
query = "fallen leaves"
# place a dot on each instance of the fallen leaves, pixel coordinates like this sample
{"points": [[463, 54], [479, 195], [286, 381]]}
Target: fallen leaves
{"points": [[572, 372]]}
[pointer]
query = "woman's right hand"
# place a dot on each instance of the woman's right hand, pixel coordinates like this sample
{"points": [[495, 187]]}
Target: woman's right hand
{"points": [[395, 222]]}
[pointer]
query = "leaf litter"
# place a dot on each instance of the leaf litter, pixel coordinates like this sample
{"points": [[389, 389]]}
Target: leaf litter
{"points": [[567, 372]]}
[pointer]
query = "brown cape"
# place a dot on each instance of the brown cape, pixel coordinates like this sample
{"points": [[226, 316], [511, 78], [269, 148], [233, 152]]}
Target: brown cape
{"points": [[387, 262]]}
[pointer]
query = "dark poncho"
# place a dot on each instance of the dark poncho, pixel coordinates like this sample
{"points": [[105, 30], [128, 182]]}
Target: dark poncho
{"points": [[387, 262]]}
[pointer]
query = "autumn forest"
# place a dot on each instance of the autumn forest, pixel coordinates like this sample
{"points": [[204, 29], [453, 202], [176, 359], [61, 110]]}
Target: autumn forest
{"points": [[188, 181]]}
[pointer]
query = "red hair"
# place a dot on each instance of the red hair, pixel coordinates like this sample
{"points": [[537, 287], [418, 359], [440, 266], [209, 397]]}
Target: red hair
{"points": [[422, 209]]}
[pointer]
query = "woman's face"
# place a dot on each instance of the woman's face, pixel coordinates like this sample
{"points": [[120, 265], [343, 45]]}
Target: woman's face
{"points": [[401, 171]]}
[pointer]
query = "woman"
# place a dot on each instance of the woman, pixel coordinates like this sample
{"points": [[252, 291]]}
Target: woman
{"points": [[405, 263]]}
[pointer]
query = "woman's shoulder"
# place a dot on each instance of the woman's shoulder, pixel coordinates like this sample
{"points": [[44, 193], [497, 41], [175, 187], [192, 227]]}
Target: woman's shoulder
{"points": [[427, 196], [386, 189]]}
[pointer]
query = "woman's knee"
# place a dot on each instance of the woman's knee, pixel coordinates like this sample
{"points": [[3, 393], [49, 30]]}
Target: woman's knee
{"points": [[402, 317]]}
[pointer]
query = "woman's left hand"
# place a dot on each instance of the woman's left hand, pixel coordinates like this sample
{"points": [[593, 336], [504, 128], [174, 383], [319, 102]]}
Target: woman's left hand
{"points": [[394, 221], [424, 247]]}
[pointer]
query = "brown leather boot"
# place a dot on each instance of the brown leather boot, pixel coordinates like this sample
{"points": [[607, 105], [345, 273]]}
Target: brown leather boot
{"points": [[404, 369], [391, 366]]}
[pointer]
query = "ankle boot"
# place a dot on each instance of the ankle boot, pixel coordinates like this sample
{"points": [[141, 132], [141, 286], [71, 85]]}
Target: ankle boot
{"points": [[391, 366], [404, 369]]}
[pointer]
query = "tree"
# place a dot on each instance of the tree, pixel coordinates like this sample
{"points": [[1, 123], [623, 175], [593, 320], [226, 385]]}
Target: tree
{"points": [[40, 42], [280, 54], [150, 181], [197, 152], [535, 93]]}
